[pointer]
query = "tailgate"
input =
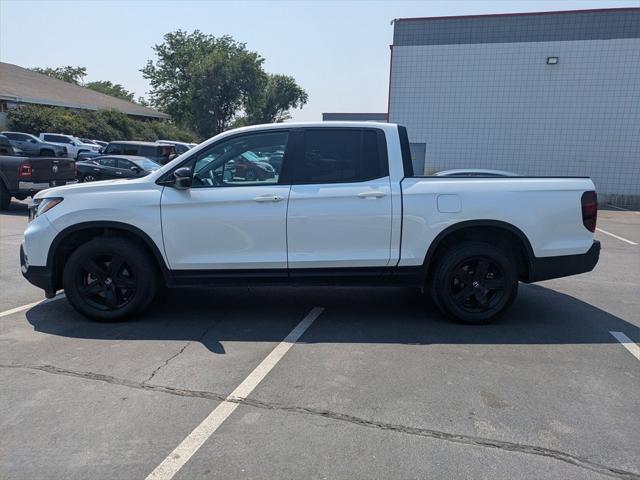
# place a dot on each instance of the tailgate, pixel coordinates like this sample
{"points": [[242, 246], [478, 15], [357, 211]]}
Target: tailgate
{"points": [[46, 169]]}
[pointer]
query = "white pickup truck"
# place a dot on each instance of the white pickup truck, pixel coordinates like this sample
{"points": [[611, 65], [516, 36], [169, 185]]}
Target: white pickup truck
{"points": [[340, 205]]}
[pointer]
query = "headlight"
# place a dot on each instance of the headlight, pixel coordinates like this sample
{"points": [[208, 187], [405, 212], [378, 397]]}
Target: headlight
{"points": [[42, 205]]}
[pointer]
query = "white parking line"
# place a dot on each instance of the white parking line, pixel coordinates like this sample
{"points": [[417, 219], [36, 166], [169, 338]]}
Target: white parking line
{"points": [[190, 445], [29, 305], [616, 236], [627, 343]]}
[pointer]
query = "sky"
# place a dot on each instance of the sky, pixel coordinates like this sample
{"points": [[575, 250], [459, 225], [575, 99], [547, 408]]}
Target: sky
{"points": [[338, 51]]}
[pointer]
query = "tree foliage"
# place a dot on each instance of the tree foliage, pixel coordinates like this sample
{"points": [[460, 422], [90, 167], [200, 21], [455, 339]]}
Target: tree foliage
{"points": [[102, 124], [209, 83], [278, 95], [109, 88], [66, 74]]}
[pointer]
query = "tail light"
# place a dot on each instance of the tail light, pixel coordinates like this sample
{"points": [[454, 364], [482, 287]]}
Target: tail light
{"points": [[589, 203], [25, 171]]}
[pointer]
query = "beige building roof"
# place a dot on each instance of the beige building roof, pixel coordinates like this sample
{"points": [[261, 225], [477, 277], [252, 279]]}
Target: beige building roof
{"points": [[22, 85]]}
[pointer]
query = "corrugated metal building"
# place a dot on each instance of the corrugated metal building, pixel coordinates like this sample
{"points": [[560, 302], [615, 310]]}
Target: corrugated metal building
{"points": [[551, 93]]}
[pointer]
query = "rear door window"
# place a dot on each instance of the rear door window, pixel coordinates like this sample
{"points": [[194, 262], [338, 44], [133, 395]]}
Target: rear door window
{"points": [[341, 155], [149, 151], [108, 162], [113, 149], [131, 149], [56, 139]]}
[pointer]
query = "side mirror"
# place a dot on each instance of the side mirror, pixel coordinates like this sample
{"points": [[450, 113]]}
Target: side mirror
{"points": [[183, 178]]}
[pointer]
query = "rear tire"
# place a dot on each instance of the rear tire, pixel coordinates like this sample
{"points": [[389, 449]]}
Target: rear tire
{"points": [[5, 197], [110, 279], [88, 178], [474, 282]]}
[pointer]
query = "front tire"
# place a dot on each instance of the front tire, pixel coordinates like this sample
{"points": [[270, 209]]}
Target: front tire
{"points": [[88, 178], [109, 279], [474, 282]]}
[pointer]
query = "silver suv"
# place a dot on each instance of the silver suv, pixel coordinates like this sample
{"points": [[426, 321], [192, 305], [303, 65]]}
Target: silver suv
{"points": [[33, 146]]}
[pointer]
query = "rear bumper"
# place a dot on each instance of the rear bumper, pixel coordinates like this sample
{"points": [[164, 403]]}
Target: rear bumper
{"points": [[40, 277], [30, 188], [545, 268]]}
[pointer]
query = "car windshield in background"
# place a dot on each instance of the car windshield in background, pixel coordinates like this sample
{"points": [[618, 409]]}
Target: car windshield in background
{"points": [[147, 164]]}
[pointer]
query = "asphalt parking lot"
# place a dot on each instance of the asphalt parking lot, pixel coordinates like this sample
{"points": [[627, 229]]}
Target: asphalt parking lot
{"points": [[378, 385]]}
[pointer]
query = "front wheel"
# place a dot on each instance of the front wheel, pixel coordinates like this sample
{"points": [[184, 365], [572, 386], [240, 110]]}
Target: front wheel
{"points": [[109, 279], [88, 178], [474, 282]]}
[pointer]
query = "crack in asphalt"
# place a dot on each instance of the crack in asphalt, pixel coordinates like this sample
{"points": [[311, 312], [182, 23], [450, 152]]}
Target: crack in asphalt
{"points": [[178, 353], [166, 362], [471, 440]]}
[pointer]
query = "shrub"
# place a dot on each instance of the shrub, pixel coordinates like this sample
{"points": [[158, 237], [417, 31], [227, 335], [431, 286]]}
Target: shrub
{"points": [[102, 124]]}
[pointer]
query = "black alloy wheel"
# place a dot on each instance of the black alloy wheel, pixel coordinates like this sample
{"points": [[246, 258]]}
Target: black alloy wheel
{"points": [[477, 284], [106, 282], [110, 278], [474, 282]]}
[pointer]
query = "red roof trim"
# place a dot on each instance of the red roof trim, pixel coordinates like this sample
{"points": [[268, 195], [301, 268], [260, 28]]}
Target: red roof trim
{"points": [[519, 14]]}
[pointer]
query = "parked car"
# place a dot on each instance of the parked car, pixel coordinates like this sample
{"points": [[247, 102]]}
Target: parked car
{"points": [[22, 176], [74, 145], [33, 146], [475, 172], [348, 209], [251, 167], [181, 147], [160, 153], [115, 166], [101, 143]]}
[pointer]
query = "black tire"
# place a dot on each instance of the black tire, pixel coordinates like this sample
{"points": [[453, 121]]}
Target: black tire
{"points": [[474, 282], [88, 178], [250, 176], [5, 197], [45, 152], [110, 279]]}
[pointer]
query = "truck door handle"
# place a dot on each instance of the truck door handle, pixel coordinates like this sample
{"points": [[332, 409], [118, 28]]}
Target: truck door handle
{"points": [[372, 194], [268, 198]]}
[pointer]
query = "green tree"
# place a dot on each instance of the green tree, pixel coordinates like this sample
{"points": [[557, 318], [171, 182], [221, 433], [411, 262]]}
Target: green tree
{"points": [[209, 84], [109, 88], [279, 94], [66, 74]]}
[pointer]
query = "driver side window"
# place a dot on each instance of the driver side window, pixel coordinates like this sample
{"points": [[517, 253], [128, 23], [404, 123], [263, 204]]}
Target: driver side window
{"points": [[243, 160]]}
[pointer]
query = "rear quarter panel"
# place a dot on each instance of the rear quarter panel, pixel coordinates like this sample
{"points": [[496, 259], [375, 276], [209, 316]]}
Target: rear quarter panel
{"points": [[546, 210]]}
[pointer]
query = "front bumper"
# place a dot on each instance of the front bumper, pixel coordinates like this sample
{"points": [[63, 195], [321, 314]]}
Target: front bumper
{"points": [[545, 268], [41, 277]]}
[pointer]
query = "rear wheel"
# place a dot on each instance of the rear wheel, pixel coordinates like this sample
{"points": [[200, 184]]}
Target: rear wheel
{"points": [[250, 176], [109, 279], [88, 178], [474, 282], [5, 196]]}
